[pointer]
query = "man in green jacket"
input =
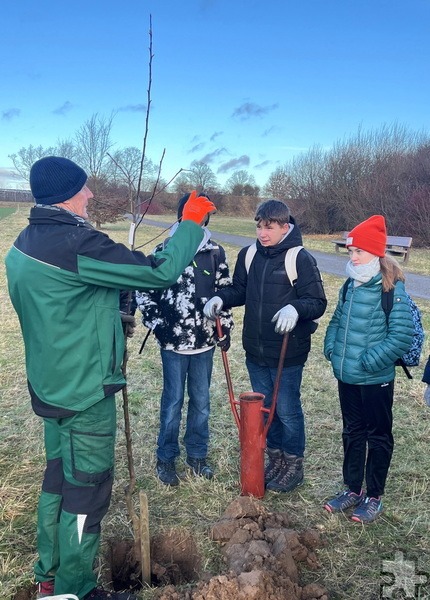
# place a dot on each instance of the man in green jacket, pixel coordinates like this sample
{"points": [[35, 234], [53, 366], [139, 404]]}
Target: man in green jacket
{"points": [[64, 278]]}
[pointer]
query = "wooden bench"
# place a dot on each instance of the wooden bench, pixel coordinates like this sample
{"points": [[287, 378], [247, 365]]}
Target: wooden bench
{"points": [[396, 245]]}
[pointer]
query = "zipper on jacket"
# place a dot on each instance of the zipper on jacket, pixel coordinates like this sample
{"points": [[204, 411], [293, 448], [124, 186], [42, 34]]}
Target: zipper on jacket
{"points": [[260, 310], [346, 331], [114, 353]]}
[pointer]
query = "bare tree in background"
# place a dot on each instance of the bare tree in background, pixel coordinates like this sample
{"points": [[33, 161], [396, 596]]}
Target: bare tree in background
{"points": [[279, 184], [198, 177], [128, 172], [242, 183], [382, 171], [110, 204], [67, 149], [93, 142], [308, 172], [25, 157]]}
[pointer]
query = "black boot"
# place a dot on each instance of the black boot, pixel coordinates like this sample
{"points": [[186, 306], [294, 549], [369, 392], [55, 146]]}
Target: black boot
{"points": [[166, 472], [199, 467], [274, 464], [290, 476]]}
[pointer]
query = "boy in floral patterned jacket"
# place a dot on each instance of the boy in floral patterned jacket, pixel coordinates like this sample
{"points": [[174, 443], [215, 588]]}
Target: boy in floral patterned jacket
{"points": [[187, 341]]}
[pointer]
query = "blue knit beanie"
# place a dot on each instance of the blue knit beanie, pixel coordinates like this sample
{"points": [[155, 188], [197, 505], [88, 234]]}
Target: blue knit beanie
{"points": [[54, 179]]}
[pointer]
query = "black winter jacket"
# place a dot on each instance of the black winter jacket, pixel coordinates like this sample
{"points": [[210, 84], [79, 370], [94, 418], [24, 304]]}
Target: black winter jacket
{"points": [[175, 315], [265, 290]]}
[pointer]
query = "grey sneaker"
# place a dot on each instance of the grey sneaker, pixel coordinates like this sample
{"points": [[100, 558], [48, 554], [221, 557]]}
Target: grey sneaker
{"points": [[368, 510], [166, 472], [199, 467], [274, 464], [290, 476], [343, 500]]}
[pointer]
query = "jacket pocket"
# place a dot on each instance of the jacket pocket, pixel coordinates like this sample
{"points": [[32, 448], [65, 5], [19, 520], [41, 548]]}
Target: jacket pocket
{"points": [[117, 347], [92, 456]]}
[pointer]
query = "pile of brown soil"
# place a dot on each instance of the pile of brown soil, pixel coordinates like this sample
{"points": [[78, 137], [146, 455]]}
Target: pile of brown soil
{"points": [[263, 556]]}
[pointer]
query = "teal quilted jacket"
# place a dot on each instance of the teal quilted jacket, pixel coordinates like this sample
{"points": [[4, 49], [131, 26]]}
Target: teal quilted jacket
{"points": [[360, 344]]}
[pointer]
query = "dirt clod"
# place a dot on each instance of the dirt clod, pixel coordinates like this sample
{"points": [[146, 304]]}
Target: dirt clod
{"points": [[264, 557]]}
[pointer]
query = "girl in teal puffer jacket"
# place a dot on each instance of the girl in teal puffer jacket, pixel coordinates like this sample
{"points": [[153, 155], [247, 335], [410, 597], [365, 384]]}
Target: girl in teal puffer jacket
{"points": [[362, 346]]}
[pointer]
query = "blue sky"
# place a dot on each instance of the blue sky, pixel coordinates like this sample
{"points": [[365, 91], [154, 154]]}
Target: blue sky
{"points": [[239, 84]]}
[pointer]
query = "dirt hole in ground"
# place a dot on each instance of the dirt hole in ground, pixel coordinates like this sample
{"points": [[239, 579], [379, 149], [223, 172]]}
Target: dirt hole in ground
{"points": [[123, 567], [174, 560], [265, 559]]}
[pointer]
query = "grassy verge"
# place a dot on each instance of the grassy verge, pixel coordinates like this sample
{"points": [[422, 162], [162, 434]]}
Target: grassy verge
{"points": [[5, 211], [351, 560]]}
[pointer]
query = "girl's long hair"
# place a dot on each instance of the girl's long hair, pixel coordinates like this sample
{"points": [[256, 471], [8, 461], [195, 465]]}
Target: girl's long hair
{"points": [[391, 272]]}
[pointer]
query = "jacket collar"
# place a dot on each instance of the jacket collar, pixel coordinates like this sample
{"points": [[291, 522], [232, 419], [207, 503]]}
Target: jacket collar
{"points": [[54, 215]]}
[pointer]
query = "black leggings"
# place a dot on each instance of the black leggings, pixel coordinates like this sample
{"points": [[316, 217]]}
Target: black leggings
{"points": [[367, 429]]}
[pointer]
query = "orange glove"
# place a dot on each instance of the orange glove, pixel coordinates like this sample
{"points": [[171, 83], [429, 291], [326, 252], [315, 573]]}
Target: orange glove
{"points": [[197, 209]]}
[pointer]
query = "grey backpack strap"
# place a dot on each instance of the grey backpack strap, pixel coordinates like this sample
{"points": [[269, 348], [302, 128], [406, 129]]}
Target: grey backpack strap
{"points": [[250, 253], [291, 263], [290, 260]]}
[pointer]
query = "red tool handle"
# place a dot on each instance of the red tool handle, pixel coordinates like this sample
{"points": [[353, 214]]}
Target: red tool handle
{"points": [[233, 402], [276, 386]]}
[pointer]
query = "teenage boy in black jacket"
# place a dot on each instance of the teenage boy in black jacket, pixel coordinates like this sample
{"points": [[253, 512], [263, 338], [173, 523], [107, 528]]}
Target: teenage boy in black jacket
{"points": [[273, 307]]}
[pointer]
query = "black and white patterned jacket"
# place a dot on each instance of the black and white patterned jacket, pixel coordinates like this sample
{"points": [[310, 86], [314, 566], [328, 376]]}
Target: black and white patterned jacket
{"points": [[175, 315]]}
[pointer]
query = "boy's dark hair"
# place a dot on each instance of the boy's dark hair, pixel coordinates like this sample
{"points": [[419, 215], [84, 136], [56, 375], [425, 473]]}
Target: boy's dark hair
{"points": [[273, 211]]}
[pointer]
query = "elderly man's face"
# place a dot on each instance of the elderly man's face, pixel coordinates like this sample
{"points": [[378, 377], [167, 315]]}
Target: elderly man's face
{"points": [[81, 201]]}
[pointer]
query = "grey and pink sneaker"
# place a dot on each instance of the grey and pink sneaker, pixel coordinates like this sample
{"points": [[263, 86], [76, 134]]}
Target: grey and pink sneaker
{"points": [[368, 510], [343, 501]]}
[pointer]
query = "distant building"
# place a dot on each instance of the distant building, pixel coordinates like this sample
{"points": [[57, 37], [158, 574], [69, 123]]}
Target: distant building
{"points": [[16, 196]]}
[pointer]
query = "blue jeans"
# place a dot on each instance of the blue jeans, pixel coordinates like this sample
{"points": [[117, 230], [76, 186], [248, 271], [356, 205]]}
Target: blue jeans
{"points": [[287, 431], [196, 370]]}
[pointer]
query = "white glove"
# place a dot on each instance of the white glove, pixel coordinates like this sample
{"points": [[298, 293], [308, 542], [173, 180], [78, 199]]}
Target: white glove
{"points": [[427, 395], [286, 319], [213, 307]]}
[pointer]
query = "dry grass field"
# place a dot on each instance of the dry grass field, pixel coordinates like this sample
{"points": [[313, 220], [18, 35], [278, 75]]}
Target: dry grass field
{"points": [[352, 557]]}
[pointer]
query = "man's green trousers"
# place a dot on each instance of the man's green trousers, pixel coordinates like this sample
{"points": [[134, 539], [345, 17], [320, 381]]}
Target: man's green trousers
{"points": [[75, 496]]}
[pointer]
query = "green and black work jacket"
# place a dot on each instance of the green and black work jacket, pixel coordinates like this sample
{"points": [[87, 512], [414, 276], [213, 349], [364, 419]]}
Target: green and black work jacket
{"points": [[64, 278]]}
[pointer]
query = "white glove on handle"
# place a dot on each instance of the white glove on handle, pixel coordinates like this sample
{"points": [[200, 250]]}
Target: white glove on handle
{"points": [[286, 319], [213, 307], [427, 395]]}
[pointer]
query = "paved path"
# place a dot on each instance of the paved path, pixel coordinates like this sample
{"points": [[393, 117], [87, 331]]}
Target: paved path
{"points": [[417, 285]]}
